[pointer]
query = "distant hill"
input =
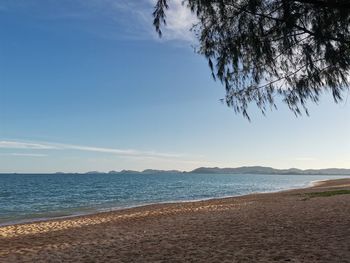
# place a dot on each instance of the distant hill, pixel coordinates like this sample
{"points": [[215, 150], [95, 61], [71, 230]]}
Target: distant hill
{"points": [[237, 170], [124, 172], [270, 170], [147, 171], [152, 171], [94, 172]]}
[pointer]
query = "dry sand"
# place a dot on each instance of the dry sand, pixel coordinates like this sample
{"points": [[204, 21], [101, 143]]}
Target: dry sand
{"points": [[274, 227]]}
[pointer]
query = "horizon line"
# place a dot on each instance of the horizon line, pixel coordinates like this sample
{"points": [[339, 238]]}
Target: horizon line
{"points": [[180, 171]]}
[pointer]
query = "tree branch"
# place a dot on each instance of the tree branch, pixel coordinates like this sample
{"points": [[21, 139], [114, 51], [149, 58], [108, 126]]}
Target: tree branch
{"points": [[294, 25], [250, 88], [334, 4]]}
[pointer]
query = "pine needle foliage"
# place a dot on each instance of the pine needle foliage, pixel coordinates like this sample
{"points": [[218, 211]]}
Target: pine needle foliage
{"points": [[266, 49]]}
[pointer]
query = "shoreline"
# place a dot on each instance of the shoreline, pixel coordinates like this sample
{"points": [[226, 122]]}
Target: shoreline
{"points": [[79, 213], [262, 227], [310, 185]]}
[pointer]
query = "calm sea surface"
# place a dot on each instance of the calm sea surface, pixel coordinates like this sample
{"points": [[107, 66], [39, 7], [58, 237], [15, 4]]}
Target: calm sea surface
{"points": [[33, 197]]}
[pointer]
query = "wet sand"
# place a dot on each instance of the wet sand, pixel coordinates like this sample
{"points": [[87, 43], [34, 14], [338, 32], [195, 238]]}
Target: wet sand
{"points": [[287, 226]]}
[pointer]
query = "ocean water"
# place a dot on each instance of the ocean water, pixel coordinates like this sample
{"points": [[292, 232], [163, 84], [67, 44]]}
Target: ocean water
{"points": [[29, 197]]}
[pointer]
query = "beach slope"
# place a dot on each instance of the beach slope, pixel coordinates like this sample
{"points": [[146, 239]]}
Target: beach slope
{"points": [[304, 225]]}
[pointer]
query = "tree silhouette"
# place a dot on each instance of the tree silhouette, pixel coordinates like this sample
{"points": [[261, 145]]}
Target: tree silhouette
{"points": [[296, 49]]}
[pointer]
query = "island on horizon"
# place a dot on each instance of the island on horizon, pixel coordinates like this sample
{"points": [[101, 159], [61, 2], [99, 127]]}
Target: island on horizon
{"points": [[228, 170]]}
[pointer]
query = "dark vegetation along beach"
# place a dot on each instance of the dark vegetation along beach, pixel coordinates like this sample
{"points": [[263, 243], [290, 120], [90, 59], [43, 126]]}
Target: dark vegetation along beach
{"points": [[303, 225]]}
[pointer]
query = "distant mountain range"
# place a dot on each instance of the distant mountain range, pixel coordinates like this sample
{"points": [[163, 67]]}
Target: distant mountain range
{"points": [[270, 170], [240, 170], [147, 171]]}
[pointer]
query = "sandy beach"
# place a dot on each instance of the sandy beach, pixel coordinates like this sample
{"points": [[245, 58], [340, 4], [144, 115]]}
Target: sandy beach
{"points": [[289, 226]]}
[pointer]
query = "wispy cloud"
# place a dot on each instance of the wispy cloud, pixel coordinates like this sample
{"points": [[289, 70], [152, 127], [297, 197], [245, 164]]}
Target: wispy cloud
{"points": [[179, 22], [24, 154], [136, 17], [25, 145], [60, 146], [114, 18]]}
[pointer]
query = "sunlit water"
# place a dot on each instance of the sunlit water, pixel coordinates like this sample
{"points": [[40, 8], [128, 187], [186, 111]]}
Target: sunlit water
{"points": [[33, 197]]}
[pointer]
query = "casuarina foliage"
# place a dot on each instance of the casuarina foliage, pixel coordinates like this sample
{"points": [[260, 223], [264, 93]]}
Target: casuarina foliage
{"points": [[267, 49]]}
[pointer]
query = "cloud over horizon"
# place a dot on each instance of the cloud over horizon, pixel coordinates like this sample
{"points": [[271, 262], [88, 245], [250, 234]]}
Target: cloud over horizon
{"points": [[60, 146]]}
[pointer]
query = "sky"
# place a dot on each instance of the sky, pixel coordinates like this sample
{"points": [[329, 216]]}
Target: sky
{"points": [[87, 85]]}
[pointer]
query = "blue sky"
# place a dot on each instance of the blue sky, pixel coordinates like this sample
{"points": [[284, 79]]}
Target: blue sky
{"points": [[87, 85]]}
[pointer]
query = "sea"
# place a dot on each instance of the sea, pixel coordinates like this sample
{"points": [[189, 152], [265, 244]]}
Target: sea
{"points": [[34, 197]]}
